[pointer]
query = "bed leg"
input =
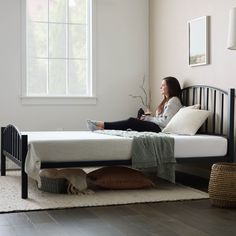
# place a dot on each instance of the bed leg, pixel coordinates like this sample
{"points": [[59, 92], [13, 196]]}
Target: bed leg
{"points": [[24, 176], [3, 164], [3, 157], [24, 184]]}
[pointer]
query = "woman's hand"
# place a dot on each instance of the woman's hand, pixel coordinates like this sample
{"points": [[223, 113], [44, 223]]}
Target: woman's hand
{"points": [[142, 117], [157, 112]]}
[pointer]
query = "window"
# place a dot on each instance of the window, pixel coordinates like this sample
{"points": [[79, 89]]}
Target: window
{"points": [[58, 51]]}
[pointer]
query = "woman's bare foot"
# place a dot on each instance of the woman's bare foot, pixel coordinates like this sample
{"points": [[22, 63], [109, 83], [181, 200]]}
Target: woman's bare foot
{"points": [[95, 125], [100, 124]]}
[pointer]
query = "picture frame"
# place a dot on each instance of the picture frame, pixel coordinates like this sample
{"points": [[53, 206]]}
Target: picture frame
{"points": [[198, 32]]}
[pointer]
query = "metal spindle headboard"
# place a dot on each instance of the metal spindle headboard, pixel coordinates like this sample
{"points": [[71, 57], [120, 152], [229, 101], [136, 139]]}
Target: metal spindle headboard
{"points": [[221, 104], [212, 99]]}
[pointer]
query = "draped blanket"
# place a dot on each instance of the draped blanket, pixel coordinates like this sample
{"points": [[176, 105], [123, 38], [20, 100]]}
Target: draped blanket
{"points": [[150, 150]]}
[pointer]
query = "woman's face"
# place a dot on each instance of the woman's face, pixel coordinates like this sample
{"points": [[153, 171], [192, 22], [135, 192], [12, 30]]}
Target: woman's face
{"points": [[164, 88]]}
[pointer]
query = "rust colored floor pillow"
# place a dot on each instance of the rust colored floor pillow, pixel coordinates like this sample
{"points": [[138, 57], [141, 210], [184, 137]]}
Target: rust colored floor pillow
{"points": [[119, 177]]}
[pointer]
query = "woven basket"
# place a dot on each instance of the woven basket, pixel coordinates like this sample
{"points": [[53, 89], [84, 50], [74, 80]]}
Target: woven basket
{"points": [[222, 185], [53, 185]]}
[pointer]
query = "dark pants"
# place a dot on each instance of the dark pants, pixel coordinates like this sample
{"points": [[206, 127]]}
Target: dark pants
{"points": [[133, 124]]}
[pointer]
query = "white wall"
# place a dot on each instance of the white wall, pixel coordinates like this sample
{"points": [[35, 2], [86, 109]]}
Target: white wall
{"points": [[169, 43], [169, 50], [121, 55]]}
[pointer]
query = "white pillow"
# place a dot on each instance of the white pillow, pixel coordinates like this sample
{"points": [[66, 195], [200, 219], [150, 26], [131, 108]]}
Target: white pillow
{"points": [[195, 106], [186, 121]]}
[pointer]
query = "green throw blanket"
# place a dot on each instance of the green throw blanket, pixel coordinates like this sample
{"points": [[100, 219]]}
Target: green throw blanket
{"points": [[150, 150]]}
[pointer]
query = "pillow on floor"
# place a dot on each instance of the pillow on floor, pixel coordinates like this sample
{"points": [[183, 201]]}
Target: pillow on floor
{"points": [[119, 177]]}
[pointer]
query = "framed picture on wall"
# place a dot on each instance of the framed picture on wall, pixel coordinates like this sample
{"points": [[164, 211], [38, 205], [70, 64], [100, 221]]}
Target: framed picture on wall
{"points": [[198, 32]]}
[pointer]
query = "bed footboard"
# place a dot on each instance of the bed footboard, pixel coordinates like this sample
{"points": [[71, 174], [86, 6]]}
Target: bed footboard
{"points": [[14, 146]]}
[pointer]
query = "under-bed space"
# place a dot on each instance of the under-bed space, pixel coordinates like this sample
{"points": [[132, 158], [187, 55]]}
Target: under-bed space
{"points": [[214, 141]]}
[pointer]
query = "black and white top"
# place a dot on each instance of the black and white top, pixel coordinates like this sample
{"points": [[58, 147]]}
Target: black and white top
{"points": [[171, 107]]}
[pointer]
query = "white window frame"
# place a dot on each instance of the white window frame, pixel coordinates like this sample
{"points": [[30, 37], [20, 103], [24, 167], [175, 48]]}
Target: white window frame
{"points": [[48, 100]]}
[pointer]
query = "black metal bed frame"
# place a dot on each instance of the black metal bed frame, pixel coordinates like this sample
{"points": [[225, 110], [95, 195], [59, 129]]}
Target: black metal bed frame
{"points": [[14, 145]]}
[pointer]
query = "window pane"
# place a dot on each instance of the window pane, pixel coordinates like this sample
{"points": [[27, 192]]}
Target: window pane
{"points": [[57, 40], [77, 41], [78, 11], [37, 77], [57, 11], [77, 77], [57, 47], [37, 10], [57, 77], [37, 39]]}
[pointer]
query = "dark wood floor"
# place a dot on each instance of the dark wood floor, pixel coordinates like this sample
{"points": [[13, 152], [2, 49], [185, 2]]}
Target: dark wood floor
{"points": [[174, 218], [182, 218]]}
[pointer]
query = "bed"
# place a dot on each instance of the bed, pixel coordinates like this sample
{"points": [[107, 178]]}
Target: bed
{"points": [[213, 143]]}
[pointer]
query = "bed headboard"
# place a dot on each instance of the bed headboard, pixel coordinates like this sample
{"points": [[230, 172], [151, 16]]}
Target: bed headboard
{"points": [[220, 103]]}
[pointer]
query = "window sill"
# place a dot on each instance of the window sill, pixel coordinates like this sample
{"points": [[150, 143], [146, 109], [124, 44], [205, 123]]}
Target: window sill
{"points": [[60, 100]]}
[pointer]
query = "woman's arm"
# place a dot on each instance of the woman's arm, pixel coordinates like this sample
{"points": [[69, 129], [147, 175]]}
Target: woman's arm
{"points": [[170, 109]]}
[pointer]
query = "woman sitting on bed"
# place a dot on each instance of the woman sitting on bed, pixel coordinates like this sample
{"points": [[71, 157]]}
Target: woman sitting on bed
{"points": [[169, 106]]}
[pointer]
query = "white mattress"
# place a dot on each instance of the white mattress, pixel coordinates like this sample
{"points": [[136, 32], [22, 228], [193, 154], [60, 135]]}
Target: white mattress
{"points": [[199, 146], [80, 145], [91, 146]]}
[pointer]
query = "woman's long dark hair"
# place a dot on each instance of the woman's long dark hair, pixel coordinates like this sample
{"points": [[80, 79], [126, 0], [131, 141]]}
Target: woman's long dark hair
{"points": [[174, 90]]}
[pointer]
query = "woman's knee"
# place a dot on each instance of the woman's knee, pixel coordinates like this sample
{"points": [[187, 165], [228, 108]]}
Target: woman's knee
{"points": [[132, 119]]}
